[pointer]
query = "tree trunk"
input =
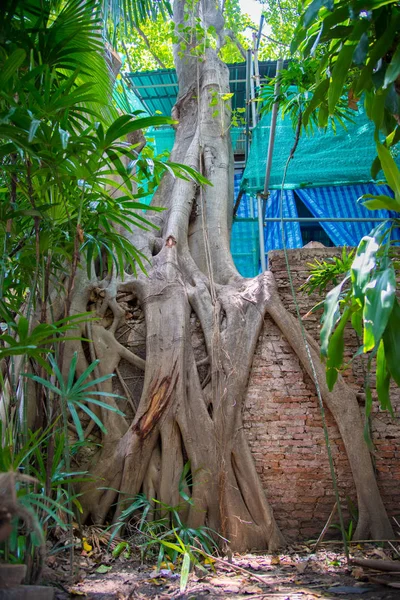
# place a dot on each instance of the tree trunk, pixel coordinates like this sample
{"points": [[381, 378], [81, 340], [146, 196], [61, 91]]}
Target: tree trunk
{"points": [[188, 410]]}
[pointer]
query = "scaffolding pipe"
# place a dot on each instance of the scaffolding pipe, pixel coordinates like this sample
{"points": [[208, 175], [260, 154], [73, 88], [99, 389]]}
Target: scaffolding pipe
{"points": [[272, 131], [252, 92], [317, 219], [257, 81], [248, 72], [261, 235], [326, 220], [260, 30]]}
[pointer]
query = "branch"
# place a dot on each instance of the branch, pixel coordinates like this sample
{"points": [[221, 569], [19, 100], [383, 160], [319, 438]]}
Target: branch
{"points": [[270, 38], [148, 45], [229, 34]]}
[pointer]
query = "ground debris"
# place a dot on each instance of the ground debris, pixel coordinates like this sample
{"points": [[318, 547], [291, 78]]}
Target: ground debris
{"points": [[297, 574]]}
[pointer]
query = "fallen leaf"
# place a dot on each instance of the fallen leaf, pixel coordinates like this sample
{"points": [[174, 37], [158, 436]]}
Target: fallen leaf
{"points": [[103, 569], [275, 560], [87, 547], [301, 566], [251, 589]]}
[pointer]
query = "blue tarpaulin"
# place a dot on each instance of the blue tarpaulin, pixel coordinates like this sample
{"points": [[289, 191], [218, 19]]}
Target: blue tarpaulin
{"points": [[332, 201], [322, 202]]}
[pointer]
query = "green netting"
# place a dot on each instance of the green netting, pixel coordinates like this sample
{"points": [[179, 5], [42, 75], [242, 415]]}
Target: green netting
{"points": [[245, 247], [323, 158]]}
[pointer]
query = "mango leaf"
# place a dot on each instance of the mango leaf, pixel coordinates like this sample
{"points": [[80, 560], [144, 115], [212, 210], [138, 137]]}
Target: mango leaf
{"points": [[383, 202], [343, 63], [331, 315], [391, 341], [365, 261], [336, 351], [317, 99], [390, 169], [379, 300], [378, 107], [393, 70], [313, 9], [383, 380]]}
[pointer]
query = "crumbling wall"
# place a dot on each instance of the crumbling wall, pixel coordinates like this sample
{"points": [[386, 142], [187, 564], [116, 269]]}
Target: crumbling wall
{"points": [[283, 420]]}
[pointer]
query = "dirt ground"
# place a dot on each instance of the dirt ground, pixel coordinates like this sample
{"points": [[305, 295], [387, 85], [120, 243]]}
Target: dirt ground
{"points": [[298, 574]]}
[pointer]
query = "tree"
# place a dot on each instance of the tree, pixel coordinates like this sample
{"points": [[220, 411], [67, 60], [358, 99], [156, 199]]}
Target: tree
{"points": [[185, 411], [190, 410]]}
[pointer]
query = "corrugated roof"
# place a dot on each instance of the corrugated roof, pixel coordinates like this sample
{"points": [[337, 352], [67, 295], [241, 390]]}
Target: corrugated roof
{"points": [[158, 90]]}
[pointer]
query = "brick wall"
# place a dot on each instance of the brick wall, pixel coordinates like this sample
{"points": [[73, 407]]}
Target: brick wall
{"points": [[284, 426]]}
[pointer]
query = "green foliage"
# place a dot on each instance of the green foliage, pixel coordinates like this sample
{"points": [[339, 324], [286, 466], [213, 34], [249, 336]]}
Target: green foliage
{"points": [[172, 540], [281, 17], [162, 529], [356, 49], [45, 494], [355, 58], [327, 272], [122, 16], [75, 393]]}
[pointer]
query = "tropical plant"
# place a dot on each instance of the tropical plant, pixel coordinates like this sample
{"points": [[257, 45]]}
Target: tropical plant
{"points": [[174, 541], [358, 55], [327, 272], [69, 205]]}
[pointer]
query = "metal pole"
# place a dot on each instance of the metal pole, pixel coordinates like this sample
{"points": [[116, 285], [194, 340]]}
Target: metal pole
{"points": [[271, 142], [319, 219], [260, 31], [326, 220], [261, 235], [252, 91], [248, 65]]}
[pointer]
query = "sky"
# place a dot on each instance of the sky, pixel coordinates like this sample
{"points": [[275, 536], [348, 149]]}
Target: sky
{"points": [[252, 8]]}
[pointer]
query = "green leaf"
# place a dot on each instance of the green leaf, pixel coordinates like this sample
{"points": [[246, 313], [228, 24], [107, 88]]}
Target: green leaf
{"points": [[313, 9], [13, 62], [317, 99], [343, 63], [119, 548], [390, 169], [383, 380], [356, 321], [336, 351], [331, 315], [365, 261], [383, 202], [391, 340], [185, 572], [379, 300], [393, 70], [103, 569]]}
